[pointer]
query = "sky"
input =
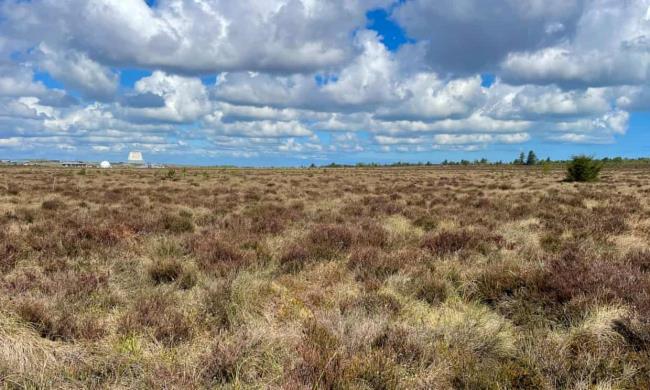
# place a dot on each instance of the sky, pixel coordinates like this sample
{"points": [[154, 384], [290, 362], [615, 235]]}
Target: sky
{"points": [[295, 82]]}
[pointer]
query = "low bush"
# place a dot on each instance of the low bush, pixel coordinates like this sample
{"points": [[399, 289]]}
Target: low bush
{"points": [[165, 271], [59, 323], [371, 264], [372, 304], [52, 204], [177, 223], [158, 312], [431, 288], [327, 240], [321, 362], [294, 258], [215, 254], [583, 169], [447, 242]]}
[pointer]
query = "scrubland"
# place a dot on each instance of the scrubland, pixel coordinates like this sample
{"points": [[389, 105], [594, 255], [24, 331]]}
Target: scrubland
{"points": [[403, 278]]}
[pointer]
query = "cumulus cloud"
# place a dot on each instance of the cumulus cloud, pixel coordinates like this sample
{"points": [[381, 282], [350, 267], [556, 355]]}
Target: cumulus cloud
{"points": [[195, 36], [185, 98], [609, 47], [466, 36], [78, 72], [308, 79]]}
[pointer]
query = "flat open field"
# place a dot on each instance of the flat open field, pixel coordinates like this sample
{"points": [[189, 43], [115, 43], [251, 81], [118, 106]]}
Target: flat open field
{"points": [[333, 279]]}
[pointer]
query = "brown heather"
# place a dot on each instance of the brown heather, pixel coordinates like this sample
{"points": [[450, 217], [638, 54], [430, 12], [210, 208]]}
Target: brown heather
{"points": [[384, 278]]}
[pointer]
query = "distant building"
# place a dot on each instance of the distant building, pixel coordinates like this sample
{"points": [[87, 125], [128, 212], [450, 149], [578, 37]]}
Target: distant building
{"points": [[136, 158], [73, 164], [104, 165]]}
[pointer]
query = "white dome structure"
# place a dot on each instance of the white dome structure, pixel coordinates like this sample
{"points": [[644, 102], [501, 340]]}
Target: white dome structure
{"points": [[104, 164]]}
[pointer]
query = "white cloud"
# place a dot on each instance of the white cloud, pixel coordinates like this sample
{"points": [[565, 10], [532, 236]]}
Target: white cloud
{"points": [[79, 72], [609, 47], [289, 70], [468, 36], [195, 36], [186, 98]]}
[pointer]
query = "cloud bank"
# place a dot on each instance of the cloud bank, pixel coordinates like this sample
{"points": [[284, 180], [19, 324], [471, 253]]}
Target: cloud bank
{"points": [[308, 79]]}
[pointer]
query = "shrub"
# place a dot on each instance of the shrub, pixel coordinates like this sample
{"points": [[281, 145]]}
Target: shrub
{"points": [[583, 169], [165, 271], [372, 304], [188, 278], [294, 258], [373, 234], [13, 189], [371, 264], [39, 316], [447, 242], [8, 254], [426, 222], [321, 363], [220, 365], [62, 324], [52, 204], [431, 289], [214, 254], [327, 240], [158, 312], [176, 223], [400, 342]]}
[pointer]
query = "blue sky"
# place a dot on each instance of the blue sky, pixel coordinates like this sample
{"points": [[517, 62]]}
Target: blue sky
{"points": [[279, 82]]}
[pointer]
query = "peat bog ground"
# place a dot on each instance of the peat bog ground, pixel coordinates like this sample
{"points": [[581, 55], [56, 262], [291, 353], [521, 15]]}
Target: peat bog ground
{"points": [[382, 278]]}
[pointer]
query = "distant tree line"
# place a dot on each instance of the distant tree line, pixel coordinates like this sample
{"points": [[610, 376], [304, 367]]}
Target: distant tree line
{"points": [[529, 159]]}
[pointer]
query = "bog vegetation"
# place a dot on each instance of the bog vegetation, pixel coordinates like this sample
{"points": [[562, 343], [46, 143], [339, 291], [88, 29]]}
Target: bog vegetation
{"points": [[390, 278]]}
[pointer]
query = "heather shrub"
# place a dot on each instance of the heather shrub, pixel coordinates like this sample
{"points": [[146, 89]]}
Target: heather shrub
{"points": [[321, 363], [426, 222], [215, 254], [157, 312], [8, 253], [221, 364], [13, 189], [405, 345], [270, 218], [431, 288], [372, 303], [498, 282], [177, 223], [326, 240], [294, 258], [365, 260], [165, 271], [188, 278], [52, 204], [373, 234], [40, 317], [59, 323], [447, 242]]}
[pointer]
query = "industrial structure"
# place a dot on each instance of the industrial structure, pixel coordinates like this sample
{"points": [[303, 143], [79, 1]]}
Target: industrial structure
{"points": [[136, 158]]}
